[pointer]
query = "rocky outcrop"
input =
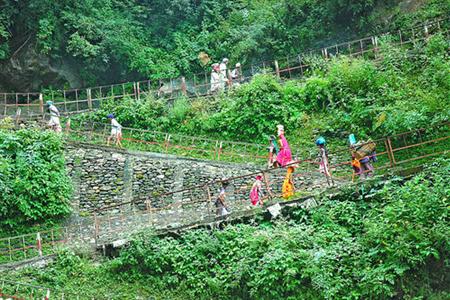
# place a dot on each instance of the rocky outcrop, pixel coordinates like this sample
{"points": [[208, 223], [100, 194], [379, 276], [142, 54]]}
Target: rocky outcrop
{"points": [[29, 70]]}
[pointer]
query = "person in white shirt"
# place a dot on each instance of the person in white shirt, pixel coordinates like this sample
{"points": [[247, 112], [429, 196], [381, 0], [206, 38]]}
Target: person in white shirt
{"points": [[54, 122], [116, 131], [223, 73], [215, 78], [236, 75], [221, 206]]}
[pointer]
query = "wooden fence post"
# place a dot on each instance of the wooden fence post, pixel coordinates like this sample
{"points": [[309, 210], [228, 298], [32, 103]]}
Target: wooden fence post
{"points": [[277, 69], [41, 103], [183, 86], [220, 151], [96, 227], [39, 244], [375, 46], [138, 91], [167, 143], [391, 151], [89, 98]]}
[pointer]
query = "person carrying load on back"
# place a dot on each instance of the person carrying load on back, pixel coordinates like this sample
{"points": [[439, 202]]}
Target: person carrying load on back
{"points": [[284, 156], [215, 78], [363, 154], [324, 165], [54, 122], [116, 131]]}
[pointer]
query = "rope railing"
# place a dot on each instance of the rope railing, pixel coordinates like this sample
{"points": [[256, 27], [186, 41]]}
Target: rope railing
{"points": [[291, 67], [175, 144], [203, 148]]}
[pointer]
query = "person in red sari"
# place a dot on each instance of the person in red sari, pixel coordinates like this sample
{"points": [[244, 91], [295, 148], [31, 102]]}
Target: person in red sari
{"points": [[284, 156]]}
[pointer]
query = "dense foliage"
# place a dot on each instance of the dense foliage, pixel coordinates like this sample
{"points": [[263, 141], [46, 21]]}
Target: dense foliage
{"points": [[387, 241], [110, 40], [33, 180], [383, 244], [404, 90]]}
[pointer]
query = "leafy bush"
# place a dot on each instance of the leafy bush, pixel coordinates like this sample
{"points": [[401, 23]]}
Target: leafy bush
{"points": [[403, 91], [33, 179], [350, 248]]}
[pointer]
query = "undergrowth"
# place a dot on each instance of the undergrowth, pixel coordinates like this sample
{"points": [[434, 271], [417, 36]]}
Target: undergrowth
{"points": [[390, 241]]}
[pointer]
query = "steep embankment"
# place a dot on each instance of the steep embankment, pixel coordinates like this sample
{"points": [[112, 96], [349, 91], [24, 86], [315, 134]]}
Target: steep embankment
{"points": [[379, 243], [45, 44]]}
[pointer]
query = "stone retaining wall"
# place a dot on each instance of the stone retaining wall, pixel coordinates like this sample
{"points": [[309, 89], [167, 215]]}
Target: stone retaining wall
{"points": [[104, 176]]}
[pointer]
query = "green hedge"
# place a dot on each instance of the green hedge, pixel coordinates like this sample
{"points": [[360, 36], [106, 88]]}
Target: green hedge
{"points": [[34, 184]]}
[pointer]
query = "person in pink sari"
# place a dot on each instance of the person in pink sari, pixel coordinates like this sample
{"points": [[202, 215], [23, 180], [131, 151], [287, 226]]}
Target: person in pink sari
{"points": [[256, 192], [284, 156]]}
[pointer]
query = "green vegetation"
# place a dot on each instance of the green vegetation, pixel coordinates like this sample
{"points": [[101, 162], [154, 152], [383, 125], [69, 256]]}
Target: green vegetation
{"points": [[34, 184], [384, 240], [379, 243], [112, 40], [405, 89]]}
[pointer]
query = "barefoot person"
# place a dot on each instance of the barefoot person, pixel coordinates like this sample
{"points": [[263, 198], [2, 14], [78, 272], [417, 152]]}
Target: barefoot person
{"points": [[116, 131]]}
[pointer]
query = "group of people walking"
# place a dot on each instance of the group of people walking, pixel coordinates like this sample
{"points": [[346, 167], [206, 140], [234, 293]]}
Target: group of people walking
{"points": [[221, 77], [280, 155], [55, 124]]}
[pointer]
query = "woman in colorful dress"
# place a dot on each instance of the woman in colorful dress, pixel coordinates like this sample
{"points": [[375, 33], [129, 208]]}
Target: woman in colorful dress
{"points": [[256, 192], [284, 156], [288, 188]]}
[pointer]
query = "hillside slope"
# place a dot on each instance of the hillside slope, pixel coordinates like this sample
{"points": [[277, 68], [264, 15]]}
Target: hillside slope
{"points": [[46, 43]]}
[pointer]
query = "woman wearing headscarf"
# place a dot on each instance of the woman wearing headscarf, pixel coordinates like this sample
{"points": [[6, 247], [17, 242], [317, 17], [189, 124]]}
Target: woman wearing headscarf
{"points": [[284, 156]]}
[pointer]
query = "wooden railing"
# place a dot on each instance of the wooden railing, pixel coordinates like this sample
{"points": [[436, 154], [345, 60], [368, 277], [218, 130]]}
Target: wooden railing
{"points": [[81, 100]]}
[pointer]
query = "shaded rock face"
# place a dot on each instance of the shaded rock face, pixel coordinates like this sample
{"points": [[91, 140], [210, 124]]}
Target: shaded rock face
{"points": [[29, 71]]}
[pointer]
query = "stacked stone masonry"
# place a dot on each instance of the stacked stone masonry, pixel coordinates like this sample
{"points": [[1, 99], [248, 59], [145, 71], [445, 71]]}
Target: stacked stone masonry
{"points": [[106, 176]]}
